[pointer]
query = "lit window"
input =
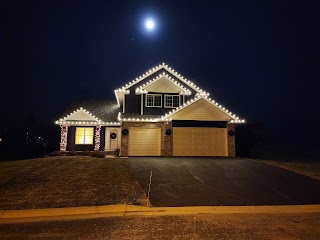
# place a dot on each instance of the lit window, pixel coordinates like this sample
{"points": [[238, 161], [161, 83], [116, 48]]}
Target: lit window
{"points": [[153, 100], [84, 135], [171, 101]]}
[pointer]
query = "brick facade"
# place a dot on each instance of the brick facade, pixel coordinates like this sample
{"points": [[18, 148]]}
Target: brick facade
{"points": [[231, 141]]}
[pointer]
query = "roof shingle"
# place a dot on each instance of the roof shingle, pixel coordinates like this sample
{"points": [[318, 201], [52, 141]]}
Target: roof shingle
{"points": [[105, 110]]}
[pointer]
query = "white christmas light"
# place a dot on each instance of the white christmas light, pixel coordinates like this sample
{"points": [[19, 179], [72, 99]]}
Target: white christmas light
{"points": [[198, 97]]}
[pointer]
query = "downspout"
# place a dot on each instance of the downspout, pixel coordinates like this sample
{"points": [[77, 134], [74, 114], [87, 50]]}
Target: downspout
{"points": [[141, 104]]}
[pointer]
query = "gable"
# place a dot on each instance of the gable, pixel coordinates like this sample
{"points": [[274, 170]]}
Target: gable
{"points": [[163, 85], [80, 116], [201, 110], [157, 69], [162, 70]]}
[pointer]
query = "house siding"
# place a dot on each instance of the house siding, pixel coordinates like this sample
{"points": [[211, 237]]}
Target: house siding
{"points": [[201, 110], [132, 102], [71, 138]]}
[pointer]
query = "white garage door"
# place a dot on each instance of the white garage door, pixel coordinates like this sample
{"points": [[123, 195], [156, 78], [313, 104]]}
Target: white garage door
{"points": [[144, 142], [200, 142]]}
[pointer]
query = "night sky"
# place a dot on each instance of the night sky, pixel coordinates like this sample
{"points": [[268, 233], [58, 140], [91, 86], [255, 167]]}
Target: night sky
{"points": [[260, 59]]}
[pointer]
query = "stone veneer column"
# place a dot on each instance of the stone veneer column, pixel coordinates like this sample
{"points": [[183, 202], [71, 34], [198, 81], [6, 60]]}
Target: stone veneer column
{"points": [[231, 141], [63, 141], [97, 138], [167, 147], [124, 140]]}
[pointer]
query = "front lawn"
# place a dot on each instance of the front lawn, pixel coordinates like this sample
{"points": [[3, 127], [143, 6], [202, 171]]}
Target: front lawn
{"points": [[67, 181]]}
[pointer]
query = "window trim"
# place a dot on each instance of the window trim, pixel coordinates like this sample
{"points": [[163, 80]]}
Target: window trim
{"points": [[165, 103], [153, 100], [92, 140]]}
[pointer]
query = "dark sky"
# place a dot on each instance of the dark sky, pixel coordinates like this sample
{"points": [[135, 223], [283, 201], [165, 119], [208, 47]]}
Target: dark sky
{"points": [[260, 59]]}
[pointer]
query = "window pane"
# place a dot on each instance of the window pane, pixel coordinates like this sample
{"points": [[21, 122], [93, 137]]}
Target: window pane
{"points": [[79, 135], [157, 101], [168, 101], [153, 100], [88, 140], [89, 136], [149, 100], [175, 101], [172, 101], [84, 135]]}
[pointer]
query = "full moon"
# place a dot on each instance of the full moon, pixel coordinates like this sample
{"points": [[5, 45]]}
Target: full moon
{"points": [[149, 24]]}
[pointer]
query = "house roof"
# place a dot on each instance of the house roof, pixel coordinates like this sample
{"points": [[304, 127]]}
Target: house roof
{"points": [[98, 109], [107, 112], [125, 88]]}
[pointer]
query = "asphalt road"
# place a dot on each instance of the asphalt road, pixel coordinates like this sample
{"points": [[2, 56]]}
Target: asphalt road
{"points": [[221, 181], [203, 226]]}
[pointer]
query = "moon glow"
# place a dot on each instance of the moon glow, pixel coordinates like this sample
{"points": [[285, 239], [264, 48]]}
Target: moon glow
{"points": [[149, 24]]}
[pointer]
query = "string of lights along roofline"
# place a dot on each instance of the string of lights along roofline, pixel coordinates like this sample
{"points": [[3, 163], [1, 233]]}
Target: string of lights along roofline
{"points": [[155, 69], [124, 89], [141, 88]]}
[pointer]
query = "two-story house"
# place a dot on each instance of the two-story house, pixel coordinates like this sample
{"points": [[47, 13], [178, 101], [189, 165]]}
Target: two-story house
{"points": [[160, 113]]}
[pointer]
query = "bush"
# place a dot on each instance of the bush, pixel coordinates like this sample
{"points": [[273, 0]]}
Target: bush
{"points": [[118, 152], [56, 153], [72, 153], [84, 153], [97, 154]]}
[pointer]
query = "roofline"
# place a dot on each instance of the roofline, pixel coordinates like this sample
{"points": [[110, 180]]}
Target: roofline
{"points": [[142, 88], [158, 119], [81, 109], [234, 118], [156, 69], [87, 123]]}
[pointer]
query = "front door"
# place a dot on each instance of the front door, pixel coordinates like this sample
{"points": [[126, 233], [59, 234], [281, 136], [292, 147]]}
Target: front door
{"points": [[112, 139]]}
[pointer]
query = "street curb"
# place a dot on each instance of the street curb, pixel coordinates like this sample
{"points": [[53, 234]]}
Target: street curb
{"points": [[12, 216]]}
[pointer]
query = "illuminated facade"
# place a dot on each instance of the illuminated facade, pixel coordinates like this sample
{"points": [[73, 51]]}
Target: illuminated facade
{"points": [[160, 113]]}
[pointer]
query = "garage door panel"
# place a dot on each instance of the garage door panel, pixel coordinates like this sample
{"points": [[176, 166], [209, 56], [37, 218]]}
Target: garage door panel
{"points": [[200, 142], [145, 142]]}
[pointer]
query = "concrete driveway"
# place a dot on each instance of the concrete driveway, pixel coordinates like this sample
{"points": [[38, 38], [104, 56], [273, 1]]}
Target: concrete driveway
{"points": [[221, 181]]}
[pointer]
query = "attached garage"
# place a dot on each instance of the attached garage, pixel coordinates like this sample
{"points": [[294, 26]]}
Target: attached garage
{"points": [[198, 141], [144, 141]]}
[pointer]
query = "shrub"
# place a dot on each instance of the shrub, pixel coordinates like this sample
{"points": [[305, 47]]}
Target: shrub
{"points": [[72, 153], [85, 153], [98, 154], [118, 152], [56, 153]]}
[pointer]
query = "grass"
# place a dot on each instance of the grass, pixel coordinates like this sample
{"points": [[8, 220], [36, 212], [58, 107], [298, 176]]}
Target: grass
{"points": [[67, 181], [309, 168]]}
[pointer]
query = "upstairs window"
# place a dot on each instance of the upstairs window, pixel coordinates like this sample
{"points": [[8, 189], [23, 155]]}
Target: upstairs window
{"points": [[84, 135], [153, 100], [171, 101]]}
